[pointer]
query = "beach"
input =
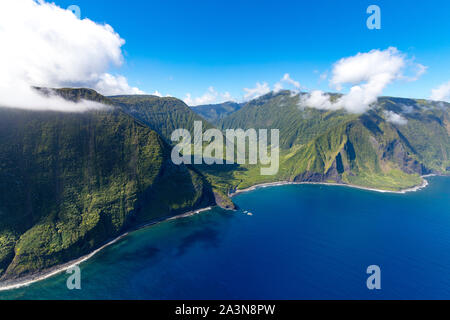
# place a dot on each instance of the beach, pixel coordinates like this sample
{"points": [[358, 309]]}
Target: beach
{"points": [[424, 184]]}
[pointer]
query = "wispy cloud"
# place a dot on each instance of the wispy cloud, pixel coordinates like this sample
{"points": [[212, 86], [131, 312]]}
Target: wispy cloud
{"points": [[323, 76], [292, 84], [209, 97], [286, 80], [159, 94], [260, 90], [47, 46]]}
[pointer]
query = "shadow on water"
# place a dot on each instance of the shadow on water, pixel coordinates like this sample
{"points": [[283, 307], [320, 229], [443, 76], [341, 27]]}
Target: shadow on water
{"points": [[110, 256], [207, 237]]}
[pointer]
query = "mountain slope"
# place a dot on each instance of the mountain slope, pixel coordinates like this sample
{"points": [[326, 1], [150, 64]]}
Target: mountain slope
{"points": [[356, 154], [164, 115], [216, 112], [427, 130], [335, 146], [281, 111], [71, 181]]}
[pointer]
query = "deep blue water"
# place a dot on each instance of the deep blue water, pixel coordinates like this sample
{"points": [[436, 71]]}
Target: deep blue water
{"points": [[302, 242]]}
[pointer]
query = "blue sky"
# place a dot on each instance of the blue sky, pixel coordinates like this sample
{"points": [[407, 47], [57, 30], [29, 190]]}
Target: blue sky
{"points": [[177, 47]]}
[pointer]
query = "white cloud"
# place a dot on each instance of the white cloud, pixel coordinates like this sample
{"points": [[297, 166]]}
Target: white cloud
{"points": [[209, 97], [159, 94], [367, 74], [420, 69], [395, 118], [442, 93], [110, 85], [319, 100], [25, 97], [278, 87], [368, 67], [45, 45], [407, 108], [227, 96], [260, 90], [288, 80]]}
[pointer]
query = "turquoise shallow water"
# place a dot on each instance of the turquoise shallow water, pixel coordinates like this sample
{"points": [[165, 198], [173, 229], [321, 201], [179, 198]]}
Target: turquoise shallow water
{"points": [[302, 242]]}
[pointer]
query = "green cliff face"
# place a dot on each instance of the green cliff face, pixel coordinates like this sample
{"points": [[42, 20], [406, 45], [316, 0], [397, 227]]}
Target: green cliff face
{"points": [[281, 111], [71, 181]]}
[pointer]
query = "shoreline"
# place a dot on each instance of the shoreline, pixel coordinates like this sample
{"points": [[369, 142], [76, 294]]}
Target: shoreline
{"points": [[423, 185], [28, 280], [53, 271]]}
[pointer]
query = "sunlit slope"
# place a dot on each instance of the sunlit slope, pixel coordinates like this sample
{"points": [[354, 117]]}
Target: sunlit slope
{"points": [[361, 149]]}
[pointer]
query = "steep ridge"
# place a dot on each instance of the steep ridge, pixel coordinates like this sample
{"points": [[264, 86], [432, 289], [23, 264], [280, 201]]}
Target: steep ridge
{"points": [[163, 115], [71, 181], [216, 112]]}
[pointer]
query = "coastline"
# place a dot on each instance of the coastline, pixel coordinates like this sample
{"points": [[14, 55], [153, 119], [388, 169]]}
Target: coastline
{"points": [[424, 184], [28, 280], [48, 273]]}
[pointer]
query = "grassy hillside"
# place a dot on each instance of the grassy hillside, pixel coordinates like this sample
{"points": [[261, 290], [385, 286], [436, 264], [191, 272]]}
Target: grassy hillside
{"points": [[71, 181], [335, 146], [281, 111], [427, 131]]}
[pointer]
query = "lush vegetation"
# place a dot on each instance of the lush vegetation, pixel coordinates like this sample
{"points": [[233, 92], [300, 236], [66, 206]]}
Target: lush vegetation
{"points": [[216, 112], [164, 115], [335, 146], [71, 181]]}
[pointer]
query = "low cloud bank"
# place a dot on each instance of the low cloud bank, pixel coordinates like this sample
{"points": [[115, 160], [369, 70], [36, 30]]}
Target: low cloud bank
{"points": [[29, 98], [46, 46], [395, 118], [367, 75], [442, 93]]}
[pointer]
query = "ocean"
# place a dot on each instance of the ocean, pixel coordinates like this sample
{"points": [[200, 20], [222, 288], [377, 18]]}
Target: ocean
{"points": [[301, 242]]}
